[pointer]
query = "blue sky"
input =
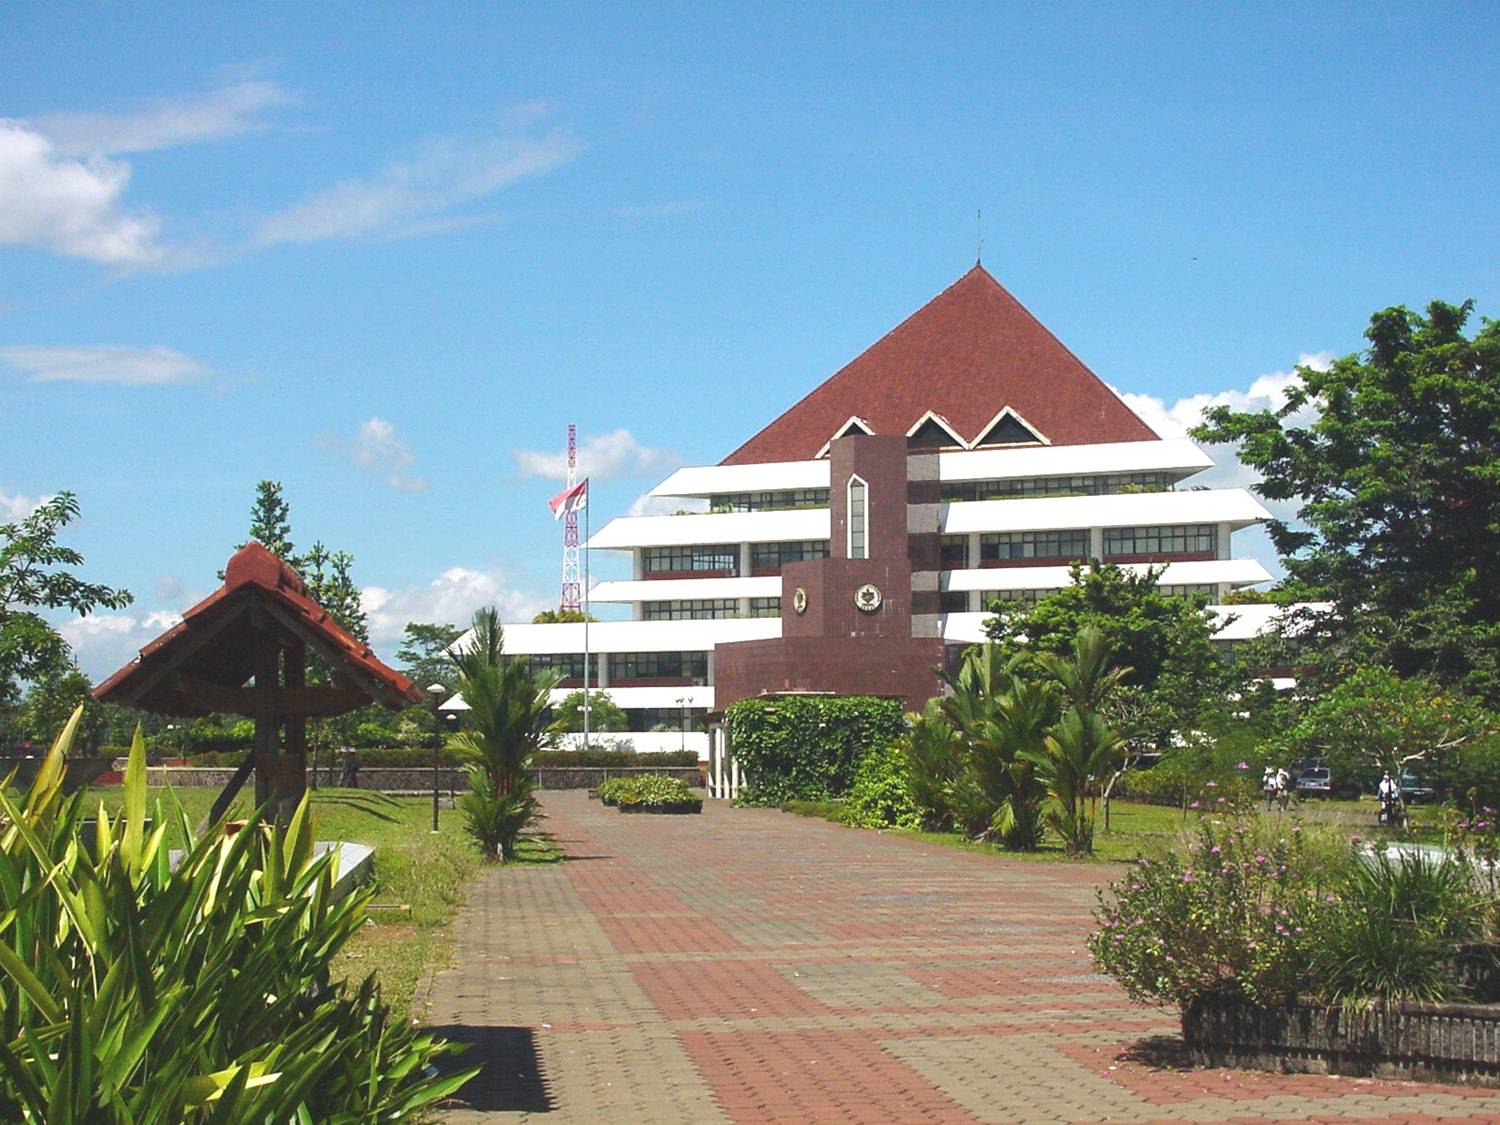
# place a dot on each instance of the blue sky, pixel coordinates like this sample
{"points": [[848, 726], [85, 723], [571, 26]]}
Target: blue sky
{"points": [[380, 254]]}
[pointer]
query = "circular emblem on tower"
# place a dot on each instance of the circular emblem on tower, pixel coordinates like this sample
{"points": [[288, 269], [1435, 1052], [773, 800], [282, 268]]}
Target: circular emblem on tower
{"points": [[867, 597], [799, 600]]}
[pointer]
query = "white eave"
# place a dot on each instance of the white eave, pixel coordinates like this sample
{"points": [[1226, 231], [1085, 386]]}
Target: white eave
{"points": [[773, 476], [1175, 455], [1241, 622], [686, 589], [1235, 572], [627, 532], [1233, 506], [1247, 621], [638, 636]]}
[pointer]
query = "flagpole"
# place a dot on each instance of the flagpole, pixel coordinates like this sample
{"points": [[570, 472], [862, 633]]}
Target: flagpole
{"points": [[585, 616]]}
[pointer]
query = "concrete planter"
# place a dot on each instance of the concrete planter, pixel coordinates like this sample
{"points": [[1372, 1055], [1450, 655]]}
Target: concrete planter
{"points": [[676, 808], [1434, 1042]]}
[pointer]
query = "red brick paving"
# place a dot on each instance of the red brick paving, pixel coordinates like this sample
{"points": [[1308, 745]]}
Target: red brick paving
{"points": [[751, 966]]}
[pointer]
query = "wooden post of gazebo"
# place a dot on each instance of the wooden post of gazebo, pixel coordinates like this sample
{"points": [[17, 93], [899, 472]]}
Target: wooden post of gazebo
{"points": [[243, 650]]}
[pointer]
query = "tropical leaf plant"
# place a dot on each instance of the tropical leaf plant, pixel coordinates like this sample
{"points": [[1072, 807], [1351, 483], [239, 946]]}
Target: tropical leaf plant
{"points": [[509, 709], [146, 987]]}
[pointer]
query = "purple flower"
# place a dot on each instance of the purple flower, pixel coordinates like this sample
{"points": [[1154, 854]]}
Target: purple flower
{"points": [[1242, 765], [1210, 784], [1214, 849], [1260, 859]]}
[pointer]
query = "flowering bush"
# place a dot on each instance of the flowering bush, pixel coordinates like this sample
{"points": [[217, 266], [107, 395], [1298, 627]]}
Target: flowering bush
{"points": [[1235, 911]]}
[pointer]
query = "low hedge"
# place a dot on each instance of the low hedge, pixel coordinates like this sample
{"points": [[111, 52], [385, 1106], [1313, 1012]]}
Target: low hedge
{"points": [[407, 758], [651, 792]]}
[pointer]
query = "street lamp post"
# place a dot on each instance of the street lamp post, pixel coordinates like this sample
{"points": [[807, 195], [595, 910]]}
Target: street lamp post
{"points": [[437, 692], [682, 719]]}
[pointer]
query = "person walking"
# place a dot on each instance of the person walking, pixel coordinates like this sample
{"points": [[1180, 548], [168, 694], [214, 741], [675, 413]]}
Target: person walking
{"points": [[1268, 783], [1283, 789]]}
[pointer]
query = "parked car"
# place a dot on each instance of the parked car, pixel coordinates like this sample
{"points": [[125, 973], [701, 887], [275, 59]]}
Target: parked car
{"points": [[1414, 790], [1314, 781]]}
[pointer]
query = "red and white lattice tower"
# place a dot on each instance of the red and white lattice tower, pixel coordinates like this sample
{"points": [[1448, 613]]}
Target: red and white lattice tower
{"points": [[572, 584]]}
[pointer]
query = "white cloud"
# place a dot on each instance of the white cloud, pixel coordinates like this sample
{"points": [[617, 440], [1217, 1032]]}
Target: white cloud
{"points": [[105, 642], [228, 111], [137, 367], [451, 597], [600, 458], [378, 449], [1266, 392], [407, 197], [15, 507], [70, 206]]}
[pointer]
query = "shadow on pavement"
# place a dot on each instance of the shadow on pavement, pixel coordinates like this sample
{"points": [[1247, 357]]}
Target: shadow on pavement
{"points": [[511, 1074], [1160, 1052]]}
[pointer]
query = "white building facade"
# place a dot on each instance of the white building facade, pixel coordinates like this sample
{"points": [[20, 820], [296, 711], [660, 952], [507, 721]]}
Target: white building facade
{"points": [[964, 459]]}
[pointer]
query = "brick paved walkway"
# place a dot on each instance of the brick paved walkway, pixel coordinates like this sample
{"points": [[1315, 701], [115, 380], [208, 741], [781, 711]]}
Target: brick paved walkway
{"points": [[749, 965]]}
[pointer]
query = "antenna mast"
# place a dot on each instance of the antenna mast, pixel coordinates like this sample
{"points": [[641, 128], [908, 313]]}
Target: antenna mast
{"points": [[572, 584]]}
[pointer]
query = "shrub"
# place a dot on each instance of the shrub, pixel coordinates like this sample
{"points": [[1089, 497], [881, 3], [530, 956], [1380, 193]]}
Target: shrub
{"points": [[1236, 911], [616, 759], [654, 791], [807, 747], [1396, 929], [136, 988], [881, 795], [940, 775]]}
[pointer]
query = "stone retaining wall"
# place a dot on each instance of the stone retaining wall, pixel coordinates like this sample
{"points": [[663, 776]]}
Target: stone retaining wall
{"points": [[1441, 1042], [385, 779]]}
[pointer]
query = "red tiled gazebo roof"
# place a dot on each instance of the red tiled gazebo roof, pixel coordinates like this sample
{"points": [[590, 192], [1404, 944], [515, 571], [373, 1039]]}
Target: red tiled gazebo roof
{"points": [[967, 354], [211, 645]]}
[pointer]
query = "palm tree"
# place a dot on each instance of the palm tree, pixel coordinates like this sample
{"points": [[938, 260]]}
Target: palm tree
{"points": [[1000, 714], [507, 724], [1082, 749]]}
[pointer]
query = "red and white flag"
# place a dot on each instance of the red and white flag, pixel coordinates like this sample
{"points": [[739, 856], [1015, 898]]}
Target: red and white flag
{"points": [[570, 499]]}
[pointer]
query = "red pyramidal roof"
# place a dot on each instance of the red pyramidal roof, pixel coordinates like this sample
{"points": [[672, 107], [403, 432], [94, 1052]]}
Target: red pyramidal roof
{"points": [[966, 355]]}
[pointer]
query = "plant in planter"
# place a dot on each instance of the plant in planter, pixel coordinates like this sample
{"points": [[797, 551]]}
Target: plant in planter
{"points": [[656, 793]]}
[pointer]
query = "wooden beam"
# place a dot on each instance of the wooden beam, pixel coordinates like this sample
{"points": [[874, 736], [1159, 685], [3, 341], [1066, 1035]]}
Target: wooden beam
{"points": [[227, 796], [374, 688], [179, 653], [299, 702]]}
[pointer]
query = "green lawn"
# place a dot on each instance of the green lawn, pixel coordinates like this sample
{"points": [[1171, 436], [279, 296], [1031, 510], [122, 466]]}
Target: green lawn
{"points": [[1134, 828], [420, 877]]}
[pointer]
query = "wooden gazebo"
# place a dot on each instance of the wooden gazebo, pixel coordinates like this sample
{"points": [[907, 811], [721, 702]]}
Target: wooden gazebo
{"points": [[243, 650]]}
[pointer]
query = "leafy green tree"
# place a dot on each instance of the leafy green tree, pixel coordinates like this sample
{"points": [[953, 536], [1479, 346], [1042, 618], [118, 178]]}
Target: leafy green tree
{"points": [[604, 714], [1397, 478], [998, 714], [1082, 749], [271, 521], [424, 654], [1377, 721], [1166, 641], [37, 573], [561, 617], [53, 697], [507, 718]]}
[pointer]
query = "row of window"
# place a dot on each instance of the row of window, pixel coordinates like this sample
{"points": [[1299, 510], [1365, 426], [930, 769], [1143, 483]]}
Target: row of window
{"points": [[1065, 546], [708, 609], [721, 558], [724, 558], [657, 665], [1099, 485], [1193, 539], [1004, 546], [957, 601], [623, 665], [769, 501]]}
